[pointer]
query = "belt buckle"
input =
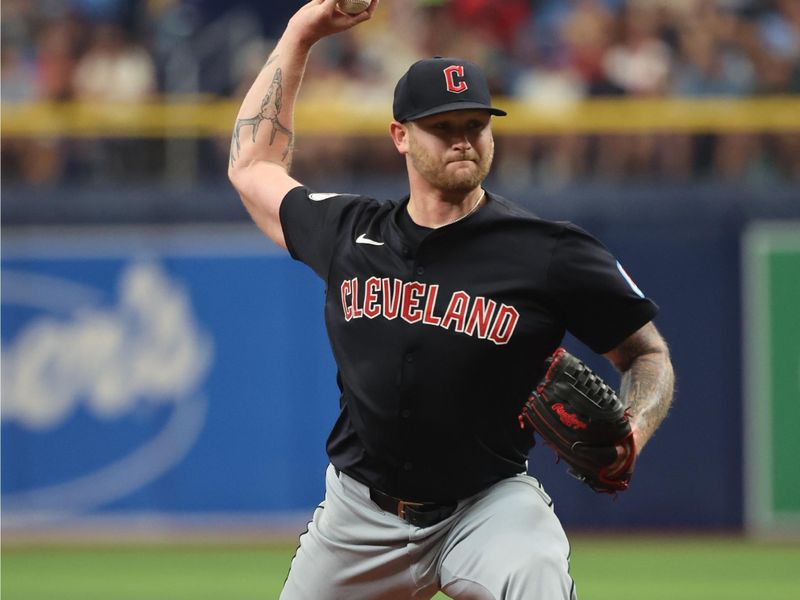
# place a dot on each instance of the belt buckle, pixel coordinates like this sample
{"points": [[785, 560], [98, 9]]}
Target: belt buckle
{"points": [[401, 507]]}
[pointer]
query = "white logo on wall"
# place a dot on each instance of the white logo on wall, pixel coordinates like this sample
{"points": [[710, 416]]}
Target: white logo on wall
{"points": [[144, 351]]}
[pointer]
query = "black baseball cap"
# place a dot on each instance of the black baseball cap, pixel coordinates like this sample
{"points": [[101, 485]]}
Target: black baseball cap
{"points": [[436, 85]]}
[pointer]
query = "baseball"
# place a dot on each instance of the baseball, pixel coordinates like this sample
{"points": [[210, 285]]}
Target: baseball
{"points": [[353, 7]]}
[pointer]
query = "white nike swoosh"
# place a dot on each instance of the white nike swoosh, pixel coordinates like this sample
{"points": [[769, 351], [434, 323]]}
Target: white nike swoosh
{"points": [[363, 239], [316, 197]]}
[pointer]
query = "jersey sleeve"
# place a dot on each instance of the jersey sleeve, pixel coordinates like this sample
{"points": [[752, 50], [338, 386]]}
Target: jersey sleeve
{"points": [[313, 222], [598, 301]]}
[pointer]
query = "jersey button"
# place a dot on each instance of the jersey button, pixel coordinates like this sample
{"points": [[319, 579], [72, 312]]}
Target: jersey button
{"points": [[420, 270], [405, 413], [408, 466], [409, 358]]}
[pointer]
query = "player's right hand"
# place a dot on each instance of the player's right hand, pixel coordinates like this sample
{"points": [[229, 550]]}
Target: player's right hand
{"points": [[320, 18]]}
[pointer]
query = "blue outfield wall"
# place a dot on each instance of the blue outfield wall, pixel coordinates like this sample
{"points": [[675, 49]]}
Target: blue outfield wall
{"points": [[144, 371], [185, 370]]}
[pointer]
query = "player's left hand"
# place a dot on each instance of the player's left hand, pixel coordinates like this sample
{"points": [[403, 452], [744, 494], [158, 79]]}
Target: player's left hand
{"points": [[582, 418], [626, 455]]}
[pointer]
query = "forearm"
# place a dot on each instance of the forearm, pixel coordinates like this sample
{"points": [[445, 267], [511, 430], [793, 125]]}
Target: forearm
{"points": [[647, 380], [264, 128], [647, 390]]}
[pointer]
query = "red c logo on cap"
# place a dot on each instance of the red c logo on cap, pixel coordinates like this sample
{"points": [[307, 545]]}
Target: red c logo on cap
{"points": [[450, 74]]}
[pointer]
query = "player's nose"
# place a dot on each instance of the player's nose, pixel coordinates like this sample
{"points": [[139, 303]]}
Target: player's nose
{"points": [[461, 141]]}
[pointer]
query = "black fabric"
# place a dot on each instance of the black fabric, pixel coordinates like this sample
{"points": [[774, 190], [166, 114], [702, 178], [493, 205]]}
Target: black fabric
{"points": [[438, 344], [412, 232]]}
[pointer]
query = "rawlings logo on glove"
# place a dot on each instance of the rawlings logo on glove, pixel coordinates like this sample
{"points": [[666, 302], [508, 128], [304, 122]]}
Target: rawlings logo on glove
{"points": [[568, 419], [583, 419]]}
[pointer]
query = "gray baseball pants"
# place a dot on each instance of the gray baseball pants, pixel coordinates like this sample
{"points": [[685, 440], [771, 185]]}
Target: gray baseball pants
{"points": [[503, 543]]}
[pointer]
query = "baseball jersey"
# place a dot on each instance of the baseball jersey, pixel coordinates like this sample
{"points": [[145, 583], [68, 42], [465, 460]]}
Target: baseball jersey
{"points": [[439, 335]]}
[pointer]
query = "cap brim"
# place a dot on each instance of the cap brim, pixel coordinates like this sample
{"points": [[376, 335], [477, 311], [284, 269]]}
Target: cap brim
{"points": [[456, 106]]}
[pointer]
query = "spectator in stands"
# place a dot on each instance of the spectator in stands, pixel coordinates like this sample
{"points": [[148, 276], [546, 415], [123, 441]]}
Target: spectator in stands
{"points": [[778, 34], [502, 21], [553, 51], [115, 69], [43, 71]]}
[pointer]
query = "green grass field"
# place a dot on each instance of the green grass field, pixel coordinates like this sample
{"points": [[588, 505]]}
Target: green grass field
{"points": [[635, 568]]}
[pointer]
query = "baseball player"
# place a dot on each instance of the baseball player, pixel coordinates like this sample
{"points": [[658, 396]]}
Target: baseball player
{"points": [[441, 309]]}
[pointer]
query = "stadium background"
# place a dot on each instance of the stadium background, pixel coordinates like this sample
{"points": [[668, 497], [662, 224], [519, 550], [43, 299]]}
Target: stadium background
{"points": [[166, 374]]}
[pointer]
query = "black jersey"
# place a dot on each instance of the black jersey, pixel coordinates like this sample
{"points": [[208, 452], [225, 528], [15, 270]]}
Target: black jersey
{"points": [[439, 341]]}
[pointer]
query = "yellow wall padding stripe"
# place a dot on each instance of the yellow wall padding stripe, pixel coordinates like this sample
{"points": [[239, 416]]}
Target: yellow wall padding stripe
{"points": [[210, 117]]}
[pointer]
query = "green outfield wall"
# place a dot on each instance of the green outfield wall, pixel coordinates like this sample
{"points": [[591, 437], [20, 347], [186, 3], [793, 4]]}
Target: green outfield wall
{"points": [[772, 403]]}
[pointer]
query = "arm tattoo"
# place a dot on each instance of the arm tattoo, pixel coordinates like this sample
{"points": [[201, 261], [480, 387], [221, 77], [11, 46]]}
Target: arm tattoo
{"points": [[647, 389], [647, 385], [271, 106]]}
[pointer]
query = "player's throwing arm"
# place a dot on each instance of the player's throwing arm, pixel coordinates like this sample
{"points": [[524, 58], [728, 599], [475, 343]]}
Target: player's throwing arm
{"points": [[263, 135]]}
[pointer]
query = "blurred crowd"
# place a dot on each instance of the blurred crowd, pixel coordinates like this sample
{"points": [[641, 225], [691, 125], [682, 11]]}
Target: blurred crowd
{"points": [[545, 51]]}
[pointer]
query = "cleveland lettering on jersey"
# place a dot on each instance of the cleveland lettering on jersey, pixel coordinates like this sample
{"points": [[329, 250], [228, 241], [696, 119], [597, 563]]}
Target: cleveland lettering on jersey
{"points": [[415, 302]]}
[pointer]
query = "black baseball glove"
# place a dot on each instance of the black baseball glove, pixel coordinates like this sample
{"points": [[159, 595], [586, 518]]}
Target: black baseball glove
{"points": [[583, 419]]}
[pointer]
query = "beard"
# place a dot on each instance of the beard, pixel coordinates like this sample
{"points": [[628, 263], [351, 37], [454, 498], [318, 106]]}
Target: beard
{"points": [[436, 170]]}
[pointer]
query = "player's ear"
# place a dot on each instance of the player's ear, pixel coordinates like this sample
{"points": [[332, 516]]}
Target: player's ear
{"points": [[399, 132]]}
